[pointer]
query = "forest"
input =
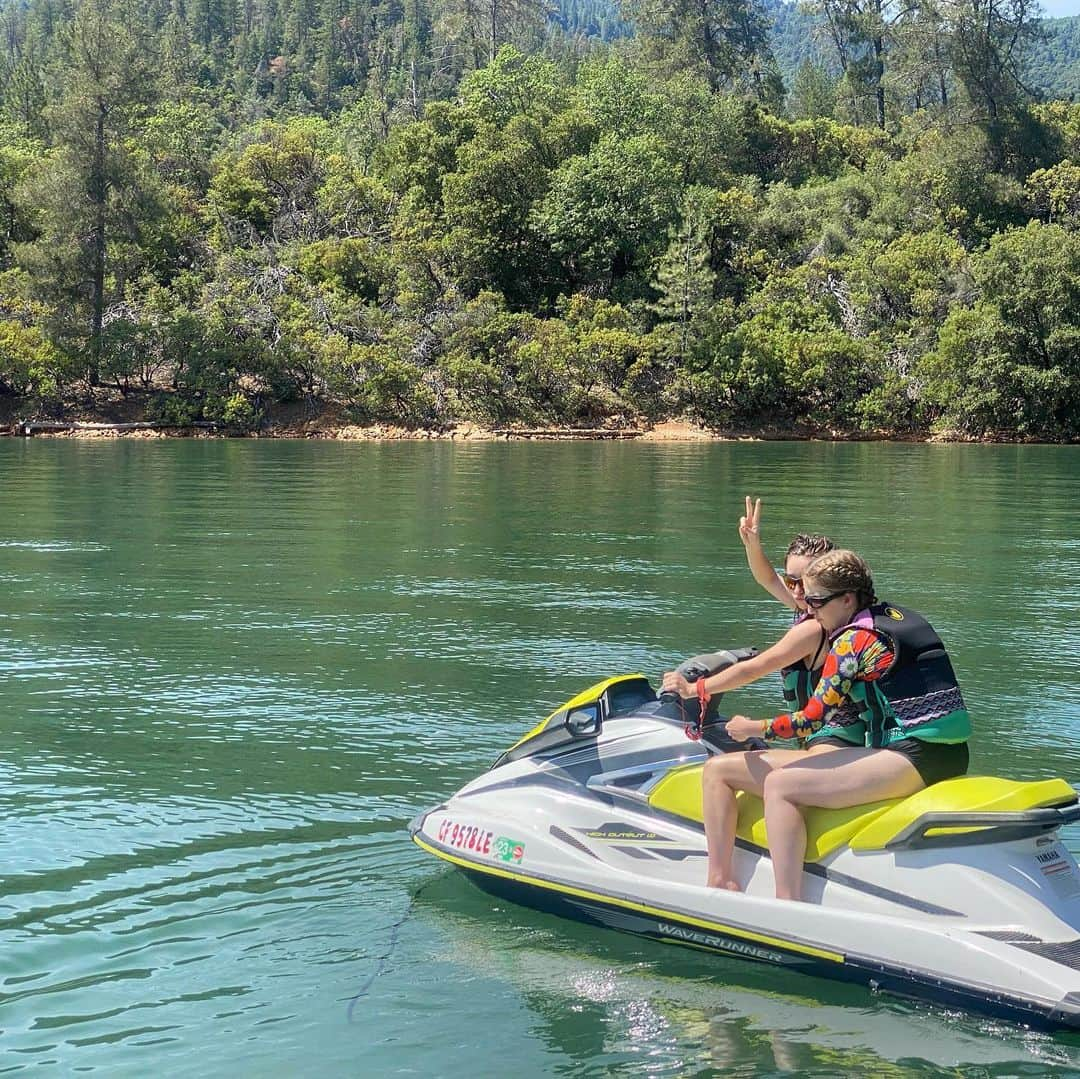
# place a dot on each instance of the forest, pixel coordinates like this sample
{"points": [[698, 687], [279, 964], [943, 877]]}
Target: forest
{"points": [[423, 212]]}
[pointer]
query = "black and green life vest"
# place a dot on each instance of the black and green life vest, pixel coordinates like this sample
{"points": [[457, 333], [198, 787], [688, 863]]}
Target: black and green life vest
{"points": [[919, 696]]}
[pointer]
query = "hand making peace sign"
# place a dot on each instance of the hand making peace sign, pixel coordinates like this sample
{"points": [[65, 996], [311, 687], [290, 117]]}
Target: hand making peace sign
{"points": [[750, 524]]}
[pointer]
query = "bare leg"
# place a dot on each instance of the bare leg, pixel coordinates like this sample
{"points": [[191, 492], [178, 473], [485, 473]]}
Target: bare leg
{"points": [[847, 778], [786, 829], [719, 812], [721, 777]]}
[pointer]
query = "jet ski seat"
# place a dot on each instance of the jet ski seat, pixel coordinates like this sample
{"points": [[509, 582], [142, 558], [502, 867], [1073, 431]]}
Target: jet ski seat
{"points": [[874, 825], [962, 797], [679, 792]]}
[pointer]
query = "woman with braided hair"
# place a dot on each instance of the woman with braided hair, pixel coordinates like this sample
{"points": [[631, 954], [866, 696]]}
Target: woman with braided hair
{"points": [[889, 665]]}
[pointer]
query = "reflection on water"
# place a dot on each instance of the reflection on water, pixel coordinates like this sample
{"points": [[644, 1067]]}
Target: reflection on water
{"points": [[646, 1008], [231, 672]]}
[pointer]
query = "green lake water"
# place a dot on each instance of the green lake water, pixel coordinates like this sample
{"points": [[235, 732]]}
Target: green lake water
{"points": [[232, 671]]}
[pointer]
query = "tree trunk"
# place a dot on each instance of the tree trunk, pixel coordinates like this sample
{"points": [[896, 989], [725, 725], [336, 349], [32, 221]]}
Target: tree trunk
{"points": [[98, 192], [879, 79], [708, 47]]}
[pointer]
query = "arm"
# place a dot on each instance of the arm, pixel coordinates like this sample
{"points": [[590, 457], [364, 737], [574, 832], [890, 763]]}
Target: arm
{"points": [[799, 642], [857, 655], [760, 566]]}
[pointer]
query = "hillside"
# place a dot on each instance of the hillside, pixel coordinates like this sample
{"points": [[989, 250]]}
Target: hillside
{"points": [[1052, 67], [433, 213]]}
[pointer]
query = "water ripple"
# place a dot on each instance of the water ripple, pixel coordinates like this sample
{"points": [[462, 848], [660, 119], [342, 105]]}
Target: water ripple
{"points": [[232, 672]]}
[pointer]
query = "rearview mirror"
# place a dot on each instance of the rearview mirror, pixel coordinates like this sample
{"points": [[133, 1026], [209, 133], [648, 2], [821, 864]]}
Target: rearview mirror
{"points": [[584, 722]]}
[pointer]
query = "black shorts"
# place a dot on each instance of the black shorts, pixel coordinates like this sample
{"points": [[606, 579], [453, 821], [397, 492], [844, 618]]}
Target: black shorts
{"points": [[934, 761], [835, 740]]}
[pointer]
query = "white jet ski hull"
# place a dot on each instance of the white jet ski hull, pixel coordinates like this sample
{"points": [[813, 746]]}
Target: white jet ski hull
{"points": [[988, 926]]}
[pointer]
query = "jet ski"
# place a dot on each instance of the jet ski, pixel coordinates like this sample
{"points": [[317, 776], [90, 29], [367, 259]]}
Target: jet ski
{"points": [[962, 894]]}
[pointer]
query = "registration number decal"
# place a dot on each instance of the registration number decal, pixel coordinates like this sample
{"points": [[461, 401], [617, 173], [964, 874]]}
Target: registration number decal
{"points": [[470, 837], [465, 836]]}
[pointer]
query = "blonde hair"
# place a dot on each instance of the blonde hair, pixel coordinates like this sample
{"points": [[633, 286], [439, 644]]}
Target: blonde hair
{"points": [[843, 571]]}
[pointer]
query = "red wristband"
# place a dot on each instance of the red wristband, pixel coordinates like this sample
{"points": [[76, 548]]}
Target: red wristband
{"points": [[703, 694]]}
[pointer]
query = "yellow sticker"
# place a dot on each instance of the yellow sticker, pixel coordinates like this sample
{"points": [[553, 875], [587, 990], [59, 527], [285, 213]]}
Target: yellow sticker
{"points": [[894, 614]]}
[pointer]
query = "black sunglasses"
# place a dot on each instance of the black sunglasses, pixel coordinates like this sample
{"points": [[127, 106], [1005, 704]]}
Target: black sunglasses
{"points": [[815, 603]]}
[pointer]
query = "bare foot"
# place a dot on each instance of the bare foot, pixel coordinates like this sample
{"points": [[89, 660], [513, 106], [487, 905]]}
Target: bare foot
{"points": [[720, 881]]}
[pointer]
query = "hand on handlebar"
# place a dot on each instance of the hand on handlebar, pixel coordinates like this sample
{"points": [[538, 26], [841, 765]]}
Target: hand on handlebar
{"points": [[675, 683], [743, 727]]}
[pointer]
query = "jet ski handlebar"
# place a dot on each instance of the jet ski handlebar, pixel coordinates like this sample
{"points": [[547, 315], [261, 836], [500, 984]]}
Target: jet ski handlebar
{"points": [[706, 664], [713, 662], [710, 722]]}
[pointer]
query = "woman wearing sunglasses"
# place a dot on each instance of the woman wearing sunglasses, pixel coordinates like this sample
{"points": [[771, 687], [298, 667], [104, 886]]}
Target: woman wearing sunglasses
{"points": [[888, 665], [798, 656], [808, 645]]}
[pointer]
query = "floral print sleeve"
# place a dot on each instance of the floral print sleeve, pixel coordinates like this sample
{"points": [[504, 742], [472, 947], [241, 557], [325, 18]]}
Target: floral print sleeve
{"points": [[857, 655]]}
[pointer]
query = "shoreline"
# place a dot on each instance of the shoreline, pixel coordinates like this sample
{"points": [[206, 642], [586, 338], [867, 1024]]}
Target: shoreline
{"points": [[318, 429], [125, 417]]}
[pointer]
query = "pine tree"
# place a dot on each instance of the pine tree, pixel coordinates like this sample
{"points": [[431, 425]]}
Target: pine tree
{"points": [[725, 40], [178, 68], [987, 42], [85, 196], [416, 43], [684, 279], [860, 31], [813, 91], [920, 65]]}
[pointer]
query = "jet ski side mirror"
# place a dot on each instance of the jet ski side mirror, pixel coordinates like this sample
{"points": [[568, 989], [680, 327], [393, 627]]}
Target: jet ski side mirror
{"points": [[584, 722]]}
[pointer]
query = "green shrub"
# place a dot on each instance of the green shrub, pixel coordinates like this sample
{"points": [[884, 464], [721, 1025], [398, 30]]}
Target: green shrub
{"points": [[173, 410], [235, 411], [29, 363], [1011, 361]]}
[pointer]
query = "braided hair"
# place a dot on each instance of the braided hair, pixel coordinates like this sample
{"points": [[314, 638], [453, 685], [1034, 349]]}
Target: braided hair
{"points": [[843, 571]]}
